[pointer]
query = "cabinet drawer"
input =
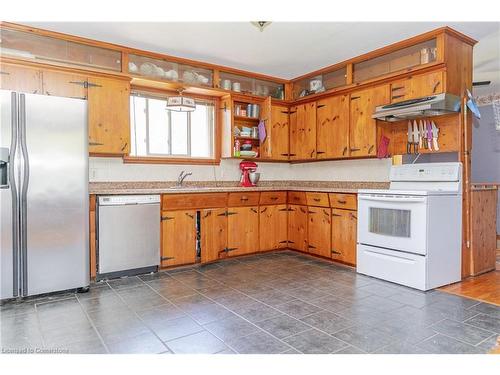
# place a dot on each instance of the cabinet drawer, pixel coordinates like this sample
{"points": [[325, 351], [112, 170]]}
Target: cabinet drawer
{"points": [[317, 199], [297, 197], [243, 199], [193, 200], [272, 197], [345, 201]]}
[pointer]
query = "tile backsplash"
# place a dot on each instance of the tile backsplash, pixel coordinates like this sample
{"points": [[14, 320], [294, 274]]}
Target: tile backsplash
{"points": [[113, 169]]}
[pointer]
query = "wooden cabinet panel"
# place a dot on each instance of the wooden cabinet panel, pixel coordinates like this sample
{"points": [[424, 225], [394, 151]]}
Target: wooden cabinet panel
{"points": [[64, 84], [213, 234], [333, 127], [297, 197], [303, 132], [243, 199], [319, 231], [178, 237], [19, 78], [363, 129], [417, 86], [272, 197], [297, 227], [273, 227], [345, 201], [193, 201], [344, 236], [242, 230], [109, 116], [280, 128], [317, 199]]}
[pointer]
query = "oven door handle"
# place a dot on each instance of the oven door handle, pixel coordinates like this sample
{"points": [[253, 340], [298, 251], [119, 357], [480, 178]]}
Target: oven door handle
{"points": [[390, 199]]}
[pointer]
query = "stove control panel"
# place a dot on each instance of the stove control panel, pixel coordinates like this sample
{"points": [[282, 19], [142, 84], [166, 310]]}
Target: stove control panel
{"points": [[426, 172]]}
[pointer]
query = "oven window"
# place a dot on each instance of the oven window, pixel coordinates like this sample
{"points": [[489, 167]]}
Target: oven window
{"points": [[390, 222]]}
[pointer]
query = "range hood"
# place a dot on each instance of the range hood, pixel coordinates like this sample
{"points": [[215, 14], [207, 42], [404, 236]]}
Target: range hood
{"points": [[427, 106]]}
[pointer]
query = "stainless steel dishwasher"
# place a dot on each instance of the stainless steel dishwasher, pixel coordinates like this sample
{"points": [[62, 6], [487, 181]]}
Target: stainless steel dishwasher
{"points": [[128, 235]]}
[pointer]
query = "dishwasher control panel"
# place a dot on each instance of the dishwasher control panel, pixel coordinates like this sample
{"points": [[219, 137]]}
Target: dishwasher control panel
{"points": [[116, 200]]}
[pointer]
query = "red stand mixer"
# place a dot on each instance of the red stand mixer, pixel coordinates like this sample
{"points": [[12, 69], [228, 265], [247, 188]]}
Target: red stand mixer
{"points": [[246, 168]]}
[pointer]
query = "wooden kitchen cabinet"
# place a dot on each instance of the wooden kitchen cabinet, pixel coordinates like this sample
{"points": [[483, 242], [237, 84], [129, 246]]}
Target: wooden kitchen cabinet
{"points": [[276, 121], [20, 78], [242, 230], [319, 231], [64, 84], [303, 131], [109, 116], [417, 86], [273, 227], [213, 234], [362, 128], [333, 127], [297, 227], [178, 237], [344, 236]]}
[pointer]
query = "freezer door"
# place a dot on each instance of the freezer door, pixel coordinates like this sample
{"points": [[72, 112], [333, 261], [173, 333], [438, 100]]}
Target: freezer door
{"points": [[9, 214], [54, 210]]}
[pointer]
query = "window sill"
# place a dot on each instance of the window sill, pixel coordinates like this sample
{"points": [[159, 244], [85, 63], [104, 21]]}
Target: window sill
{"points": [[160, 160]]}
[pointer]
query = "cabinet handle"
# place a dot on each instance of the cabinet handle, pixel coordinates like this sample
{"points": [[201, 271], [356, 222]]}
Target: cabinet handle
{"points": [[311, 247], [321, 106], [311, 154], [228, 249], [285, 209], [436, 86], [191, 216], [292, 154], [274, 198], [397, 88], [285, 112], [355, 97], [325, 212], [292, 112], [311, 212], [243, 198], [254, 210], [345, 150], [333, 214], [336, 252], [227, 213], [370, 149], [166, 258], [124, 146], [164, 218], [355, 149], [353, 216], [209, 213], [317, 199], [290, 241], [95, 143], [303, 210], [341, 201], [285, 154], [291, 209], [397, 96], [5, 73], [264, 210], [320, 152]]}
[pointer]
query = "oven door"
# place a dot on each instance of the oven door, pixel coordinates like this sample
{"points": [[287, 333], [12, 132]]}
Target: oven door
{"points": [[397, 222]]}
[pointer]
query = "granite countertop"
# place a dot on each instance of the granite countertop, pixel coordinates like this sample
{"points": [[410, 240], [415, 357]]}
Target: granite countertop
{"points": [[168, 187]]}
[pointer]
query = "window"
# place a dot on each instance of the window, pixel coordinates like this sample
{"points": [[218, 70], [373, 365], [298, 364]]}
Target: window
{"points": [[158, 132]]}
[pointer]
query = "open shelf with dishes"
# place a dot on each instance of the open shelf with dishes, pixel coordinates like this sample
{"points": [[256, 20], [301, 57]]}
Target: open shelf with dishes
{"points": [[168, 70], [244, 133]]}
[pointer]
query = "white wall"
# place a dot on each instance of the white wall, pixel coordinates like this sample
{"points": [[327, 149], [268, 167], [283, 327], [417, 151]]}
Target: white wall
{"points": [[113, 169]]}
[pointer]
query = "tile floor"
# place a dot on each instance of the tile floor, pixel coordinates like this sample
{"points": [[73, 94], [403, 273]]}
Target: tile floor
{"points": [[272, 303]]}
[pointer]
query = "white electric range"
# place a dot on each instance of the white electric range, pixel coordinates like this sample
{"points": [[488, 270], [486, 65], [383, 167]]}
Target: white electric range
{"points": [[411, 233]]}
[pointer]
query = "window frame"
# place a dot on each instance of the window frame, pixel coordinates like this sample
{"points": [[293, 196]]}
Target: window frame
{"points": [[181, 159]]}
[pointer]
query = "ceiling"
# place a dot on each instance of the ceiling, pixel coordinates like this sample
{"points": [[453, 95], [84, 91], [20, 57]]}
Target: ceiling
{"points": [[283, 49]]}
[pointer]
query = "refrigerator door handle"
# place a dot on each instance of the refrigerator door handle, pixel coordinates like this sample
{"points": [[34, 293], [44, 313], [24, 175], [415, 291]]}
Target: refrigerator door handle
{"points": [[24, 194], [14, 193]]}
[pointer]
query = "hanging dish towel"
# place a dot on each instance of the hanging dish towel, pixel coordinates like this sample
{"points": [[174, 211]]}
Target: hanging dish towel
{"points": [[262, 132]]}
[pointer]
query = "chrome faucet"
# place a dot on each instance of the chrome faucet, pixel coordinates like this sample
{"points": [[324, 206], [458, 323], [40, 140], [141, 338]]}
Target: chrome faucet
{"points": [[182, 177]]}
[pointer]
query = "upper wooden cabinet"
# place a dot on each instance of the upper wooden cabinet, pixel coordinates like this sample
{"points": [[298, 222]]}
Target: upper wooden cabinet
{"points": [[109, 116], [333, 127], [417, 86], [276, 120], [20, 78], [273, 227], [178, 237], [303, 131], [362, 128], [69, 85]]}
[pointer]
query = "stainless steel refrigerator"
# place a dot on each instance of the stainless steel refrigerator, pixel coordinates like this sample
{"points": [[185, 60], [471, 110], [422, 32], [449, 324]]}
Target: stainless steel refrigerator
{"points": [[43, 194]]}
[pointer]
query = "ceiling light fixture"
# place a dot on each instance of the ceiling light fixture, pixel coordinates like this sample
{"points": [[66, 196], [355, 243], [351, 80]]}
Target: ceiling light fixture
{"points": [[261, 24], [180, 103]]}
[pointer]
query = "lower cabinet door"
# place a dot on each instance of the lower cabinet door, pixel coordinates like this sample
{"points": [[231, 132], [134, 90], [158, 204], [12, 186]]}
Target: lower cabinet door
{"points": [[273, 227], [297, 227], [344, 235], [178, 237], [319, 231], [242, 230], [213, 234]]}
